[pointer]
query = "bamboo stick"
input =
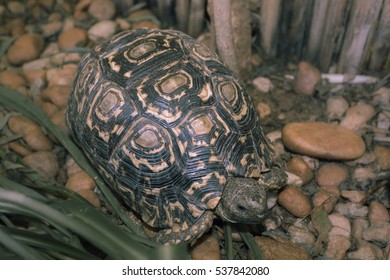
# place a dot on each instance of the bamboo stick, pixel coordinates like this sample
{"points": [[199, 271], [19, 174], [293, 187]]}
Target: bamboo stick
{"points": [[269, 18]]}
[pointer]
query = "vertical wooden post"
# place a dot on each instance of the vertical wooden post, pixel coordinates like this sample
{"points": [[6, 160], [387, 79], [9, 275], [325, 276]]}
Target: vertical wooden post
{"points": [[269, 18]]}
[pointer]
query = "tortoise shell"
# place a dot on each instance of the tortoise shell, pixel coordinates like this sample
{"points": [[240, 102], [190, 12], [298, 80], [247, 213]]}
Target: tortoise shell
{"points": [[166, 123]]}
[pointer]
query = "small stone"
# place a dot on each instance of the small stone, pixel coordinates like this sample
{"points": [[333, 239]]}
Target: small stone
{"points": [[363, 253], [80, 181], [326, 197], [294, 201], [351, 210], [379, 232], [59, 119], [71, 167], [11, 80], [354, 196], [300, 168], [91, 196], [293, 180], [17, 8], [357, 116], [263, 109], [336, 106], [341, 225], [49, 108], [18, 148], [274, 135], [36, 78], [72, 38], [381, 97], [383, 156], [377, 213], [26, 48], [51, 28], [323, 140], [363, 175], [306, 78], [62, 76], [206, 248], [383, 125], [102, 9], [301, 235], [387, 252], [331, 175], [337, 247], [279, 248], [102, 30], [44, 162], [263, 84], [57, 94], [17, 27], [31, 132], [358, 227]]}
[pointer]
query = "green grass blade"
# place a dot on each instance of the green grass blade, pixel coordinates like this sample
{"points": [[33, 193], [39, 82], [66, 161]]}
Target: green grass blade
{"points": [[251, 243], [228, 241]]}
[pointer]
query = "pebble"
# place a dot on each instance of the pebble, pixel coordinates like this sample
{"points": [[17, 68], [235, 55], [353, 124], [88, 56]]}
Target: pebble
{"points": [[57, 94], [80, 181], [322, 140], [206, 248], [340, 225], [279, 248], [91, 196], [71, 167], [49, 108], [337, 247], [102, 9], [72, 38], [11, 79], [263, 84], [16, 8], [300, 235], [354, 196], [383, 156], [359, 225], [36, 78], [59, 119], [383, 125], [102, 30], [331, 175], [379, 232], [44, 162], [17, 27], [26, 48], [51, 28], [357, 116], [31, 132], [62, 76], [300, 168], [306, 78], [326, 197], [377, 213], [263, 109], [363, 176], [363, 253], [293, 180], [336, 106], [351, 210], [18, 148], [381, 97], [294, 201]]}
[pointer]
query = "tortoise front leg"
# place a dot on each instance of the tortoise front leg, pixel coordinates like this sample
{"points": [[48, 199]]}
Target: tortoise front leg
{"points": [[188, 234]]}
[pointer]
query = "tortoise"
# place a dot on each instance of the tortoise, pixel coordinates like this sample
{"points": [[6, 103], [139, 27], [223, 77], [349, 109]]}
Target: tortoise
{"points": [[173, 132]]}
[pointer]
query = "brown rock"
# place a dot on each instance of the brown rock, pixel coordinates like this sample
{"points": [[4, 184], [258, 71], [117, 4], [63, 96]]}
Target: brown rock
{"points": [[263, 84], [336, 106], [26, 48], [102, 30], [383, 156], [58, 118], [206, 248], [354, 196], [263, 109], [363, 253], [379, 232], [351, 210], [331, 175], [279, 248], [44, 162], [51, 28], [357, 116], [102, 9], [377, 213], [300, 168], [18, 148], [71, 38], [16, 27], [57, 94], [91, 196], [327, 197], [358, 227], [35, 77], [306, 78], [337, 247], [294, 201], [62, 76], [323, 140], [49, 108], [340, 225], [31, 133], [80, 181], [71, 167], [11, 80], [301, 235]]}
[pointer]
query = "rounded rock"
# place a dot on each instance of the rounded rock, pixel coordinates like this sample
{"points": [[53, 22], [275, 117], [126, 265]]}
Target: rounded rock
{"points": [[44, 162], [80, 181], [26, 48], [206, 248], [326, 197], [294, 201], [357, 116], [337, 247], [378, 213], [102, 9], [336, 106], [11, 80], [57, 94], [306, 78], [102, 30], [300, 168], [341, 225], [71, 38], [322, 140], [383, 157], [354, 196], [331, 175], [279, 248]]}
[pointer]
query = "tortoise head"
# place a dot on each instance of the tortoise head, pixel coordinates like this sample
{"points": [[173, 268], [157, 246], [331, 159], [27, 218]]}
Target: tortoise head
{"points": [[244, 200]]}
